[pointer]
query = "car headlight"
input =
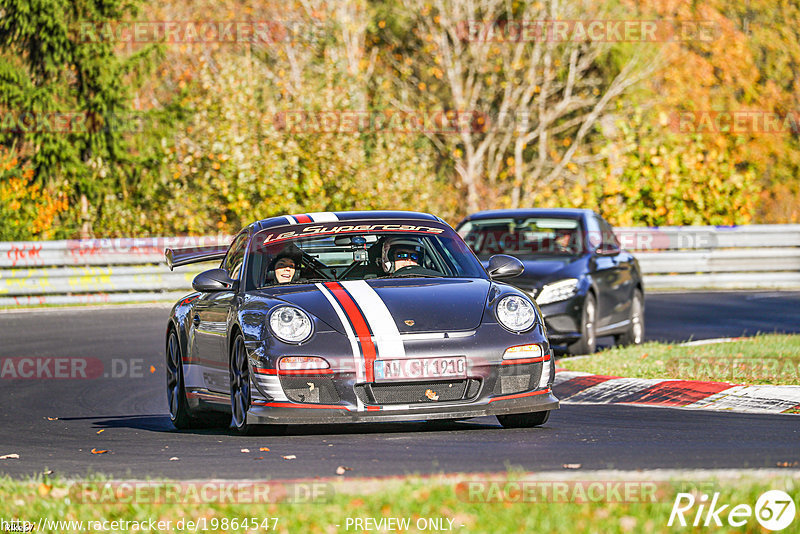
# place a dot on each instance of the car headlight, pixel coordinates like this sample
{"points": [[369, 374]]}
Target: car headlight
{"points": [[290, 324], [561, 290], [515, 313]]}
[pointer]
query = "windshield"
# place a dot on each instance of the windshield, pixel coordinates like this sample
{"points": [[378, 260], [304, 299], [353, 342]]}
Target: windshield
{"points": [[294, 257], [527, 238]]}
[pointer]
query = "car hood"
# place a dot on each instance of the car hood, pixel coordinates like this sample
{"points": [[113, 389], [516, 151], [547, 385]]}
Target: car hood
{"points": [[413, 305]]}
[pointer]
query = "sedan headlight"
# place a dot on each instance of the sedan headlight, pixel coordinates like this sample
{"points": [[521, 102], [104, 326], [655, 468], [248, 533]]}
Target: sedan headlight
{"points": [[290, 324], [515, 313], [561, 290]]}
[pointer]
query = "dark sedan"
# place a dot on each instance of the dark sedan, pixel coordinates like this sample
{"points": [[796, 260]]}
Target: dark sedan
{"points": [[586, 285]]}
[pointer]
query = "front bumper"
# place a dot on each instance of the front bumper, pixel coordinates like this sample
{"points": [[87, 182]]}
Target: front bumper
{"points": [[492, 386], [293, 413]]}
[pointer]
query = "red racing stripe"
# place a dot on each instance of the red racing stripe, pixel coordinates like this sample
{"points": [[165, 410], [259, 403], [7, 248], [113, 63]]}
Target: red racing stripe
{"points": [[305, 372], [359, 325], [520, 395], [303, 218], [527, 360], [297, 405]]}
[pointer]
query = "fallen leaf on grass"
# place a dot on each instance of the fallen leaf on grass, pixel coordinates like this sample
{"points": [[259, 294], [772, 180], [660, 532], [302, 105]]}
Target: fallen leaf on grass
{"points": [[13, 456], [264, 449], [95, 451], [245, 450], [341, 469], [571, 466], [290, 457], [44, 489], [59, 493]]}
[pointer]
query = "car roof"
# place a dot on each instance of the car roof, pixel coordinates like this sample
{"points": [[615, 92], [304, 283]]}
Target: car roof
{"points": [[529, 212], [334, 216]]}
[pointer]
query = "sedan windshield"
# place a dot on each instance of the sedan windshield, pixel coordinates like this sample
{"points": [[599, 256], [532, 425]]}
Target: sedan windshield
{"points": [[358, 255], [527, 237]]}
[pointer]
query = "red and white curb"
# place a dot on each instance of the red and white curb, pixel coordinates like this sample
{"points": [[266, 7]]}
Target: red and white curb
{"points": [[585, 388]]}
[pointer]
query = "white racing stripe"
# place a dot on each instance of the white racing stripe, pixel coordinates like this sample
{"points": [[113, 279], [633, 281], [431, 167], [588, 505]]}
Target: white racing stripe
{"points": [[384, 329], [358, 360], [323, 216], [291, 219]]}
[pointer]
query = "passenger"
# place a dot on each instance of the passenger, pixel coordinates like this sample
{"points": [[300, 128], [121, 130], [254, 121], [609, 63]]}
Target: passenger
{"points": [[285, 267]]}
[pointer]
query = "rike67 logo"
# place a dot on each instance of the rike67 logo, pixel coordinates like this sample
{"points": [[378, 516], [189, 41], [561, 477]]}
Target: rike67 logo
{"points": [[774, 510]]}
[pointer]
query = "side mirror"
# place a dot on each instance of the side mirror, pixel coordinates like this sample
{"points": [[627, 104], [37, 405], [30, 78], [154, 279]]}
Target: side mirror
{"points": [[608, 251], [213, 280], [503, 266]]}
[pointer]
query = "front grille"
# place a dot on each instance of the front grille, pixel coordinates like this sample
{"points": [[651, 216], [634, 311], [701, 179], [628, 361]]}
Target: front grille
{"points": [[310, 389], [417, 392], [518, 378]]}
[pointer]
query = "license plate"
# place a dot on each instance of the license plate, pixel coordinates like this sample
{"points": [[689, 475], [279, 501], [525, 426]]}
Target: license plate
{"points": [[421, 368]]}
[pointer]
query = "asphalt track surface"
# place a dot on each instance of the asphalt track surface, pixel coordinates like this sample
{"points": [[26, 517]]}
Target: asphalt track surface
{"points": [[53, 424]]}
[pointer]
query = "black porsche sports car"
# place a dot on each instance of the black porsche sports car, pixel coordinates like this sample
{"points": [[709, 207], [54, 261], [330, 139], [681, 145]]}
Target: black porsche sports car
{"points": [[586, 285], [354, 316]]}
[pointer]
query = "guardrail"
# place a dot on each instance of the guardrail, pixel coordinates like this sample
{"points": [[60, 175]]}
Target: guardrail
{"points": [[133, 269], [95, 270], [717, 257]]}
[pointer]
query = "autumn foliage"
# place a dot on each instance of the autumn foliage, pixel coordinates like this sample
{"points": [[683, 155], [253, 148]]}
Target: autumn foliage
{"points": [[213, 153]]}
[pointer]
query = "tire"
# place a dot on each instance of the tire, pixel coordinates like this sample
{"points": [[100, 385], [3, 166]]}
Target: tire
{"points": [[239, 372], [176, 393], [634, 335], [524, 420], [587, 344]]}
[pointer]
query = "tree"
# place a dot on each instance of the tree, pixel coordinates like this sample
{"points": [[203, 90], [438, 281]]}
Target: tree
{"points": [[537, 97], [67, 98]]}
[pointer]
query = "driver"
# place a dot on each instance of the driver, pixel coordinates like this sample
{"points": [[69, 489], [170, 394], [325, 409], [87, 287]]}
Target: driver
{"points": [[403, 255]]}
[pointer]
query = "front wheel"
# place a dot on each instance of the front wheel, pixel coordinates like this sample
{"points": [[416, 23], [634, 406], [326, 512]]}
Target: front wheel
{"points": [[240, 386], [524, 420], [240, 394], [587, 344], [634, 335]]}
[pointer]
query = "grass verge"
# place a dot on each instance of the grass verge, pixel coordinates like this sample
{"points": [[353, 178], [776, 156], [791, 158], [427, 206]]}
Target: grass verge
{"points": [[576, 502], [764, 359]]}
